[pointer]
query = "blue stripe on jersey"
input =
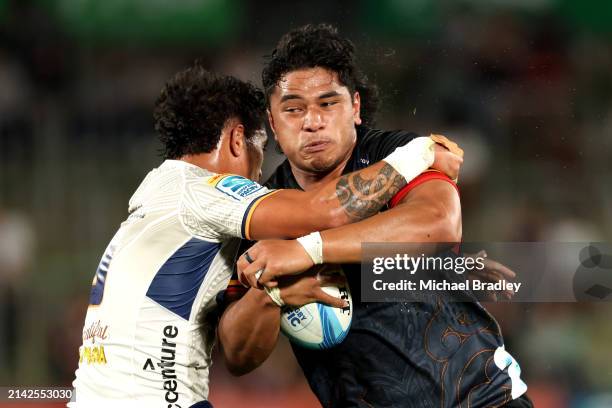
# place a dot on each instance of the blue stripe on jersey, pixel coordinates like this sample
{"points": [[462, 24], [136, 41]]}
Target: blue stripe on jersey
{"points": [[177, 282], [245, 217], [97, 289], [247, 213]]}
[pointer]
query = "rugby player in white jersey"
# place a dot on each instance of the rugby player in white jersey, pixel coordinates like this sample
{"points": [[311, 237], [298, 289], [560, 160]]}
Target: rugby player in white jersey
{"points": [[148, 334]]}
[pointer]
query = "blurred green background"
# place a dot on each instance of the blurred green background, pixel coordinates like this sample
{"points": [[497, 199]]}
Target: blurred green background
{"points": [[525, 86]]}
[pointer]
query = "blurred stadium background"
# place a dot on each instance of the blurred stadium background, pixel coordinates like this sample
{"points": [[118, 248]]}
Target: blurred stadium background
{"points": [[524, 85]]}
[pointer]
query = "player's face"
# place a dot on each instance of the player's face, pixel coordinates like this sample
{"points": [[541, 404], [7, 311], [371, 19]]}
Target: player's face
{"points": [[313, 117], [255, 154]]}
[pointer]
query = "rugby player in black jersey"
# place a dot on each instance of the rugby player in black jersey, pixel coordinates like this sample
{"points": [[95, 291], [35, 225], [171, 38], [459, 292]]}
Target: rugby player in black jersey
{"points": [[420, 354]]}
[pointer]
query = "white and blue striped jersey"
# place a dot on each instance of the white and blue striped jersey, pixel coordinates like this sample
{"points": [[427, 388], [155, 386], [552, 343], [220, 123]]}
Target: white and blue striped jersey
{"points": [[146, 341]]}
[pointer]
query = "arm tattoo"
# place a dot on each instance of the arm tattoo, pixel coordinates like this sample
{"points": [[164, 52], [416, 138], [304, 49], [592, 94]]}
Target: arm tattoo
{"points": [[362, 198]]}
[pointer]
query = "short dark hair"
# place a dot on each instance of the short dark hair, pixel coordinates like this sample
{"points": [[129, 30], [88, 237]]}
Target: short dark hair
{"points": [[320, 45], [194, 106]]}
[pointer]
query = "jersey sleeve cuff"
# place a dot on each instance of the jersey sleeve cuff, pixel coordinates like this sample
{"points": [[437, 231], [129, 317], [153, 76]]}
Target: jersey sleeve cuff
{"points": [[245, 229]]}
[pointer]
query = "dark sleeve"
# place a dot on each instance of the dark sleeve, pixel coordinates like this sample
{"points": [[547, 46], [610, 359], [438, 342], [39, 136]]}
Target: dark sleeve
{"points": [[379, 143], [280, 177], [274, 180]]}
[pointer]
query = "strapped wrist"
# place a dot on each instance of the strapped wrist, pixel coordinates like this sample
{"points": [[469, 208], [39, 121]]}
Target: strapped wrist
{"points": [[313, 245], [275, 295], [412, 159]]}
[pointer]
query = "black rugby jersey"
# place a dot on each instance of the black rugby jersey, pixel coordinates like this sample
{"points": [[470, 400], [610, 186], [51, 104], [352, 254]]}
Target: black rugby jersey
{"points": [[416, 354]]}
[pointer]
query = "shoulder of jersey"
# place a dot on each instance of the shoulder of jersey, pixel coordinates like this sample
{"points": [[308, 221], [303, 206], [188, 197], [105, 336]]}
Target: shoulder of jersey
{"points": [[235, 186]]}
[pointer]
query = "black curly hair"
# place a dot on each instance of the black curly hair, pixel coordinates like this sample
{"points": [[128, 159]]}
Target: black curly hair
{"points": [[320, 46], [195, 104]]}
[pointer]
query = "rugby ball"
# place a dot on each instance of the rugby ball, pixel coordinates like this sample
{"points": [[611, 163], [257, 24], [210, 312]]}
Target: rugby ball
{"points": [[315, 325]]}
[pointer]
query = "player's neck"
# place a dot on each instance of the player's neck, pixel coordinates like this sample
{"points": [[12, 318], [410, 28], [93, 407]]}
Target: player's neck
{"points": [[208, 161], [310, 180]]}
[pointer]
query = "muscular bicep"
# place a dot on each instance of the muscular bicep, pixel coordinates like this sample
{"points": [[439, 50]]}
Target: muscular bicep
{"points": [[428, 213], [248, 330], [438, 201]]}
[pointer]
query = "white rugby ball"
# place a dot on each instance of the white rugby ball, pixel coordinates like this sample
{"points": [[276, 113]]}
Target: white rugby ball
{"points": [[318, 326]]}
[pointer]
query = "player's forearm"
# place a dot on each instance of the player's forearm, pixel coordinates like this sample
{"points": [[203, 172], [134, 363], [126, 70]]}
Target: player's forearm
{"points": [[418, 221], [358, 195], [429, 213], [350, 198], [248, 331], [343, 245]]}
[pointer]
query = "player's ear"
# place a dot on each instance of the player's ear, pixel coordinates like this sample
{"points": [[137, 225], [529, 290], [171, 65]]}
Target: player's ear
{"points": [[237, 140], [357, 108], [271, 122]]}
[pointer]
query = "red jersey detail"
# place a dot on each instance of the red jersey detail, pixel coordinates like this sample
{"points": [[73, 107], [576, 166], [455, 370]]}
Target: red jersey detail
{"points": [[420, 179]]}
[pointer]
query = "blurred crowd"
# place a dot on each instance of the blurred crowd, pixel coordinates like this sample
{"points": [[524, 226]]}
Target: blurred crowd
{"points": [[524, 87]]}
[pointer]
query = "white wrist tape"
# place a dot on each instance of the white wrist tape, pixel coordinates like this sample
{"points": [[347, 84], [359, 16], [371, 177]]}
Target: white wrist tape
{"points": [[412, 159], [313, 245], [275, 295]]}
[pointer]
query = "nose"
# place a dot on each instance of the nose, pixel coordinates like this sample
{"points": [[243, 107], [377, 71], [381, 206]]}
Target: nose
{"points": [[313, 120]]}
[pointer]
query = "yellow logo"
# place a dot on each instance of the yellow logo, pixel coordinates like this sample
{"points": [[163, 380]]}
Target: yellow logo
{"points": [[215, 179], [92, 355]]}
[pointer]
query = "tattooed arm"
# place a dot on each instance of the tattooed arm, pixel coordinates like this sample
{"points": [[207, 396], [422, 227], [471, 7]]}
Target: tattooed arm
{"points": [[361, 197], [433, 216], [429, 213], [292, 213], [350, 198]]}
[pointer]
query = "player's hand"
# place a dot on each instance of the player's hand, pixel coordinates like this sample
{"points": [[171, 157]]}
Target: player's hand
{"points": [[447, 161], [307, 288], [493, 272], [273, 258]]}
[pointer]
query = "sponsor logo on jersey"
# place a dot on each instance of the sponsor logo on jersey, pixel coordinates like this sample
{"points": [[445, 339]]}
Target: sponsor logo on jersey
{"points": [[92, 355], [95, 330], [166, 364], [236, 187]]}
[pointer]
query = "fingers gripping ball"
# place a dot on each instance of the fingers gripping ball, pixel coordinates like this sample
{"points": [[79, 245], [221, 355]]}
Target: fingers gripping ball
{"points": [[318, 326]]}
